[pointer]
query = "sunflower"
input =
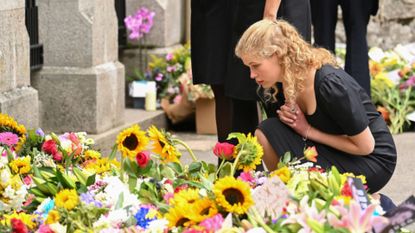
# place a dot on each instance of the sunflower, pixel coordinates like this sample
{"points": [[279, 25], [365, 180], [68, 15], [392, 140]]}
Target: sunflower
{"points": [[202, 209], [177, 217], [163, 146], [92, 154], [132, 141], [233, 195], [185, 197], [8, 124], [21, 165], [67, 199], [251, 153], [53, 216], [101, 165]]}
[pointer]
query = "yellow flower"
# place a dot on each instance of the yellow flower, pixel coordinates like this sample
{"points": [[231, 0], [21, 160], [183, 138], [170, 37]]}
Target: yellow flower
{"points": [[100, 166], [163, 146], [251, 153], [27, 219], [177, 217], [375, 68], [283, 173], [92, 154], [131, 141], [202, 209], [185, 197], [67, 199], [347, 174], [233, 195], [7, 123], [53, 216], [21, 165]]}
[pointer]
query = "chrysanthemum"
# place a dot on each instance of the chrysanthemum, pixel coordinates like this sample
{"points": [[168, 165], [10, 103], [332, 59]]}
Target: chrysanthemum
{"points": [[251, 153], [67, 199], [233, 195], [177, 217], [21, 165], [202, 209], [163, 146], [101, 165], [92, 154], [8, 124], [132, 141], [53, 216]]}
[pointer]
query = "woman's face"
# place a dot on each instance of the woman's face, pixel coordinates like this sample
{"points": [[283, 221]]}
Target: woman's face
{"points": [[266, 71]]}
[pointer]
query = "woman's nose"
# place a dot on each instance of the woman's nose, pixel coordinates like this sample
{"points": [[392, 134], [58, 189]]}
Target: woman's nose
{"points": [[253, 74]]}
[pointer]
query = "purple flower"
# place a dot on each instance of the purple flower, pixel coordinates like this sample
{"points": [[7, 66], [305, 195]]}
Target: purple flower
{"points": [[88, 198], [140, 23], [169, 56], [171, 69], [40, 132], [9, 139], [159, 77]]}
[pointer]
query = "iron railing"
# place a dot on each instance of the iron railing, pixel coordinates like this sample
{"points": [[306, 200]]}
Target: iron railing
{"points": [[120, 8], [32, 25]]}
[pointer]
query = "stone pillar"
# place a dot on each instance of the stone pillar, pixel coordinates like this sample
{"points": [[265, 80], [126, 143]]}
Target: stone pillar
{"points": [[17, 98], [81, 85]]}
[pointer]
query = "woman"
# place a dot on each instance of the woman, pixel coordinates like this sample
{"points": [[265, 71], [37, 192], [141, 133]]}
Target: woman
{"points": [[324, 106], [216, 26]]}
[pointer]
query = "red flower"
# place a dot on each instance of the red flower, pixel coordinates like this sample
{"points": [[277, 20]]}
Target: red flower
{"points": [[224, 150], [50, 147], [347, 190], [57, 156], [311, 154], [180, 188], [18, 226], [76, 144], [142, 158]]}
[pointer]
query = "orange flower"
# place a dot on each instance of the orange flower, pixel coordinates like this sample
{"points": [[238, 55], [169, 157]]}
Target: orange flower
{"points": [[384, 112], [311, 154]]}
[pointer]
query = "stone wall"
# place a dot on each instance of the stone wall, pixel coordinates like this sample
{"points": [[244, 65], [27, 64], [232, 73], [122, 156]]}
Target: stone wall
{"points": [[17, 98], [394, 24]]}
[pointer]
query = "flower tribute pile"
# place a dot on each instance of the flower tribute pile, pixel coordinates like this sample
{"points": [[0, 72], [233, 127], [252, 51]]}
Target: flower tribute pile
{"points": [[58, 183]]}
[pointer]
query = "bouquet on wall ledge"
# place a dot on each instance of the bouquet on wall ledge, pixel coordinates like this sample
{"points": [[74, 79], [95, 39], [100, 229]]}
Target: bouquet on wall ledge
{"points": [[58, 183]]}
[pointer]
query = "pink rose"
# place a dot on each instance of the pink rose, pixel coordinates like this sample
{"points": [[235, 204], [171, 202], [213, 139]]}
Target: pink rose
{"points": [[224, 150], [57, 156], [27, 180], [142, 158]]}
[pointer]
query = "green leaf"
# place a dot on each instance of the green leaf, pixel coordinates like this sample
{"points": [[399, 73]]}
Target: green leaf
{"points": [[226, 170], [240, 136], [176, 167], [195, 167], [120, 201], [132, 182], [167, 172], [90, 180]]}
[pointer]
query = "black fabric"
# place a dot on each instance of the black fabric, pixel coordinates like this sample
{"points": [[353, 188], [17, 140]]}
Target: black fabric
{"points": [[217, 25], [331, 117], [356, 15]]}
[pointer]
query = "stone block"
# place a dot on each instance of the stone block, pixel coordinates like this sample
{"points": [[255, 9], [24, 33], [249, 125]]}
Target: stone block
{"points": [[81, 99], [22, 104], [14, 47], [11, 4], [169, 21], [78, 33], [397, 9]]}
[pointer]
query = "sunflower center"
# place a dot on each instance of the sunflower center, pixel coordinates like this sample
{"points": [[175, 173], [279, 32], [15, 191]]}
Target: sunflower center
{"points": [[205, 211], [162, 144], [130, 142], [182, 221], [233, 196]]}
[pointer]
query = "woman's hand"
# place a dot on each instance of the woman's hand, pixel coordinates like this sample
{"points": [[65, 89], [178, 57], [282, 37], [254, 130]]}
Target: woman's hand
{"points": [[271, 9], [292, 116]]}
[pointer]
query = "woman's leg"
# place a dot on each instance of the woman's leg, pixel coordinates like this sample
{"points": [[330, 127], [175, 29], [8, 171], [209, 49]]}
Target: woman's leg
{"points": [[270, 158], [223, 111]]}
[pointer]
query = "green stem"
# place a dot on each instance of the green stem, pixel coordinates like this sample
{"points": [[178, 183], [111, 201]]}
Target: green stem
{"points": [[187, 148], [260, 221], [122, 169], [235, 163], [220, 167]]}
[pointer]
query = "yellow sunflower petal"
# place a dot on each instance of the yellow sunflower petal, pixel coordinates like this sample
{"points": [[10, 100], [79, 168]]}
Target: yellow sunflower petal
{"points": [[132, 141]]}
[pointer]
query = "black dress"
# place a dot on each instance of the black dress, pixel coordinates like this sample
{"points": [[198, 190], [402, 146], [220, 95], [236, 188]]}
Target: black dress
{"points": [[343, 108], [217, 25]]}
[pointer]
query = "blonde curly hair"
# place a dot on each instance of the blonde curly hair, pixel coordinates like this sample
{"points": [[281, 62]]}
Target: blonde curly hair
{"points": [[268, 37]]}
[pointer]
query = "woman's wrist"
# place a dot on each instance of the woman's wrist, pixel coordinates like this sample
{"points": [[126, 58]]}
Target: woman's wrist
{"points": [[307, 133]]}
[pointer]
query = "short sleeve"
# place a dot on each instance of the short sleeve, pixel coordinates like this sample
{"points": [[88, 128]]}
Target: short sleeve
{"points": [[340, 100]]}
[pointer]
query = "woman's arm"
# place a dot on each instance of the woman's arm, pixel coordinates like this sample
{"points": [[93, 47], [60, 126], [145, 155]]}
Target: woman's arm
{"points": [[360, 144], [271, 9]]}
